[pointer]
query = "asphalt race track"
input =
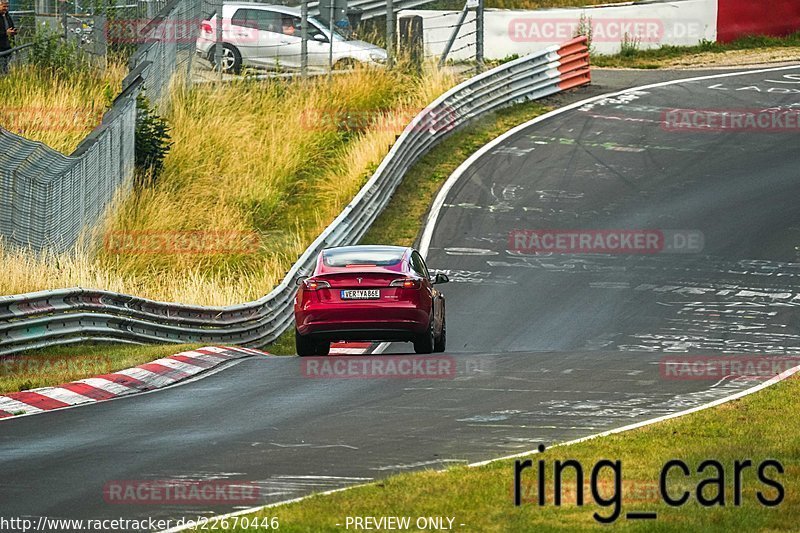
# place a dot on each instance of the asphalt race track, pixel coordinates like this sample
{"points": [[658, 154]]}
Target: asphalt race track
{"points": [[542, 348]]}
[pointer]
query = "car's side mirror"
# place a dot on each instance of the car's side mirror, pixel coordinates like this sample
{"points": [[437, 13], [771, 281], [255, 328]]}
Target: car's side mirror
{"points": [[300, 279], [440, 278], [321, 38]]}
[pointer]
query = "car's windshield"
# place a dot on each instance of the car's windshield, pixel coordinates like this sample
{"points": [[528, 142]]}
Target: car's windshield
{"points": [[344, 257], [338, 35]]}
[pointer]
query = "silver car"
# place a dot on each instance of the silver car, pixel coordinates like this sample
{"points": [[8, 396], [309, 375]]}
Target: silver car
{"points": [[268, 36]]}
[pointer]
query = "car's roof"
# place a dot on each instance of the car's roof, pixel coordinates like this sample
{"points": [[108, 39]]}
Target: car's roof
{"points": [[368, 248], [272, 7]]}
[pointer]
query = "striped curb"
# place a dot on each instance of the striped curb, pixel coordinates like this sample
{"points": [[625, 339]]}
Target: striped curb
{"points": [[351, 348], [150, 376]]}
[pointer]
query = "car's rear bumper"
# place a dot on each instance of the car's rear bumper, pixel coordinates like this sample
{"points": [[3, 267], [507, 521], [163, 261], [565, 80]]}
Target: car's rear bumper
{"points": [[362, 322]]}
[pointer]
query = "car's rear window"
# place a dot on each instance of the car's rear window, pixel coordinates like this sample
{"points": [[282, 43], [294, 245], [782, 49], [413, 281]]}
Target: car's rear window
{"points": [[367, 256]]}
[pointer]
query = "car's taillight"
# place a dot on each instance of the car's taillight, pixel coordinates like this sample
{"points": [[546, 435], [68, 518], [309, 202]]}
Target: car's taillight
{"points": [[315, 284], [406, 283], [206, 27]]}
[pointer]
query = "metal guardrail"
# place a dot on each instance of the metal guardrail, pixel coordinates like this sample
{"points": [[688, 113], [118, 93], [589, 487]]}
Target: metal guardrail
{"points": [[374, 8], [18, 53], [72, 315]]}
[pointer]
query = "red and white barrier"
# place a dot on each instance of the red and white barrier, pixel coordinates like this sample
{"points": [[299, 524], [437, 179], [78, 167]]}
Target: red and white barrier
{"points": [[155, 375]]}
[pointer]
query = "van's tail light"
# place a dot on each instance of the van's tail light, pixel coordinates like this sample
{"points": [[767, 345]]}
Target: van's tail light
{"points": [[206, 27], [406, 283]]}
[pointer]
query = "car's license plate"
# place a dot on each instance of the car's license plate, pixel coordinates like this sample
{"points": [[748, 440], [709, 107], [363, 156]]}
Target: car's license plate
{"points": [[362, 294]]}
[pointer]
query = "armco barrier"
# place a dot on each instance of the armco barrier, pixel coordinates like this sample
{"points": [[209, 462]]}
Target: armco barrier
{"points": [[374, 8], [72, 315], [739, 18]]}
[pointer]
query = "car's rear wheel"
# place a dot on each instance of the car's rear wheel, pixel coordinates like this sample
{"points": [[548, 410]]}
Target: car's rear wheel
{"points": [[425, 342], [231, 59], [440, 343], [305, 346], [345, 64]]}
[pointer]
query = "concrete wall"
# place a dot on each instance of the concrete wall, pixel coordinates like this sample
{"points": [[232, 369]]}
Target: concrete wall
{"points": [[509, 32]]}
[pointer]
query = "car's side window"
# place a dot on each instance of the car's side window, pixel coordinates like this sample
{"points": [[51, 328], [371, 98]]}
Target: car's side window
{"points": [[419, 265], [244, 18], [269, 21]]}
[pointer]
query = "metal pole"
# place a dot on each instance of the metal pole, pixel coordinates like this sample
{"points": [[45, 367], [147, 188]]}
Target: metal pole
{"points": [[218, 44], [479, 35], [64, 20], [304, 39], [452, 39], [390, 28], [330, 48]]}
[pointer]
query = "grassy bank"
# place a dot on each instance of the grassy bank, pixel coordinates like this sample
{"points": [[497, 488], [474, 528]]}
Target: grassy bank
{"points": [[57, 109], [705, 53], [257, 170], [755, 428], [55, 366]]}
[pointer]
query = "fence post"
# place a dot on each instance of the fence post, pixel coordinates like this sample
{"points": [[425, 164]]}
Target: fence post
{"points": [[390, 28], [454, 35], [304, 39], [479, 34], [218, 43]]}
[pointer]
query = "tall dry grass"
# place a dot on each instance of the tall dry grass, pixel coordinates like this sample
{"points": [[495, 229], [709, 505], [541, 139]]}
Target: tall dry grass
{"points": [[58, 110], [255, 159]]}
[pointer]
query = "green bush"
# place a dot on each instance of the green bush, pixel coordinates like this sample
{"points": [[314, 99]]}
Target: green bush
{"points": [[152, 143], [50, 52]]}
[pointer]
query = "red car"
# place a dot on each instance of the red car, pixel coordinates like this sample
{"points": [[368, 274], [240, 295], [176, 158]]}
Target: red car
{"points": [[369, 293]]}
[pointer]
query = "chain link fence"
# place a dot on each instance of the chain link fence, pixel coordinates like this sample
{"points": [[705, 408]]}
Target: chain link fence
{"points": [[46, 198]]}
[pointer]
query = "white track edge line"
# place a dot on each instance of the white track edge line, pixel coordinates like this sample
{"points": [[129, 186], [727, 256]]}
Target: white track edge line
{"points": [[772, 381], [438, 203], [425, 244]]}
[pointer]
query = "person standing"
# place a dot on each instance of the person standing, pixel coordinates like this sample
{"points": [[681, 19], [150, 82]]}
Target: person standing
{"points": [[7, 31]]}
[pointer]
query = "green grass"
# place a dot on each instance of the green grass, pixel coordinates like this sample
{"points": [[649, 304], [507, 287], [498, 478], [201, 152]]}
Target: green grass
{"points": [[659, 57], [756, 428], [49, 367]]}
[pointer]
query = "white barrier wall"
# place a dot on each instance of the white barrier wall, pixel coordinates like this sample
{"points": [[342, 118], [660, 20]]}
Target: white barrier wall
{"points": [[510, 32]]}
